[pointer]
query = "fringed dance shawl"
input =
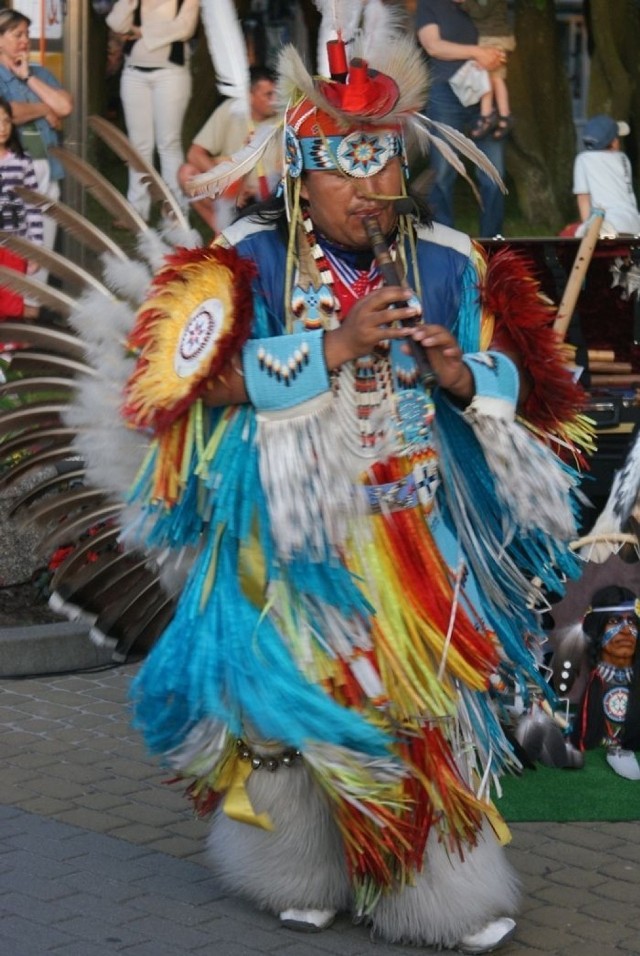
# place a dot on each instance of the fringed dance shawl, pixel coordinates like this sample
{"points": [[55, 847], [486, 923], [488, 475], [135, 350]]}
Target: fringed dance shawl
{"points": [[351, 598]]}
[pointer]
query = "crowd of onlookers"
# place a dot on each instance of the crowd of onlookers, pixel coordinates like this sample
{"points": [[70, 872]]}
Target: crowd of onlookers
{"points": [[467, 42]]}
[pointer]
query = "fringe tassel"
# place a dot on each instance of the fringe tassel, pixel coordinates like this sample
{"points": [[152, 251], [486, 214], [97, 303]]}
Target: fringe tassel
{"points": [[533, 485], [310, 497]]}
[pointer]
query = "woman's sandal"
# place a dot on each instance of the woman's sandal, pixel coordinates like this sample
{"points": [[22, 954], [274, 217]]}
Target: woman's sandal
{"points": [[503, 126], [483, 125]]}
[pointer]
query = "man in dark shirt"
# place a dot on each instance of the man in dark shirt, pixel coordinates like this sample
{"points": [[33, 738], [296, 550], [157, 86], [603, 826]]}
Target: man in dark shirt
{"points": [[450, 38]]}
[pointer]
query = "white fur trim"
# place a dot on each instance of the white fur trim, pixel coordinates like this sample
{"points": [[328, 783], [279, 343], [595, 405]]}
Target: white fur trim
{"points": [[446, 236], [501, 408], [451, 897], [300, 864]]}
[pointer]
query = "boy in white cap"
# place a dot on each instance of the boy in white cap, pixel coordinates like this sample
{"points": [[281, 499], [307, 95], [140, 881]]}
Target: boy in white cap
{"points": [[602, 178]]}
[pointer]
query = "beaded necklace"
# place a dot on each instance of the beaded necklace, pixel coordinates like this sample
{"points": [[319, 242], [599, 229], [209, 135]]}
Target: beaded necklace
{"points": [[367, 383], [615, 675]]}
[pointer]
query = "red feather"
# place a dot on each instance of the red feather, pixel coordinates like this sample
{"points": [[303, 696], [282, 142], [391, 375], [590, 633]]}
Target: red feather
{"points": [[524, 326]]}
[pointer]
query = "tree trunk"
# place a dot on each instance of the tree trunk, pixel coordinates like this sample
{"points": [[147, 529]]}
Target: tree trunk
{"points": [[614, 32], [542, 146]]}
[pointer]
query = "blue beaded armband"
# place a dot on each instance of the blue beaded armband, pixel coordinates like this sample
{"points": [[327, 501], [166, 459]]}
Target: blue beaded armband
{"points": [[497, 382], [286, 370]]}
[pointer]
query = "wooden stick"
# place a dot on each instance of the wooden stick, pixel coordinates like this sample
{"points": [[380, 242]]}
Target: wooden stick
{"points": [[622, 368], [601, 355], [604, 537], [576, 278], [601, 379]]}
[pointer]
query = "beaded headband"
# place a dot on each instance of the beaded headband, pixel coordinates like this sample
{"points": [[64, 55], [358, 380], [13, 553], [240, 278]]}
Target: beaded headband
{"points": [[355, 119]]}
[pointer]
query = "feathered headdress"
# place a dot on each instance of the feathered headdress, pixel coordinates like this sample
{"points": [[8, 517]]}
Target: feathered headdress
{"points": [[377, 84]]}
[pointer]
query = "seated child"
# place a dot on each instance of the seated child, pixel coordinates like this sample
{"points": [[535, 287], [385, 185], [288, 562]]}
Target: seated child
{"points": [[602, 179], [494, 29]]}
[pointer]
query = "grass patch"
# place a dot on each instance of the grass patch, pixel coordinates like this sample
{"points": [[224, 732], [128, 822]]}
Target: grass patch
{"points": [[593, 793]]}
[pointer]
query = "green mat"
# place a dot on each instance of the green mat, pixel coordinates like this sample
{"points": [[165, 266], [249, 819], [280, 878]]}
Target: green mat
{"points": [[593, 793]]}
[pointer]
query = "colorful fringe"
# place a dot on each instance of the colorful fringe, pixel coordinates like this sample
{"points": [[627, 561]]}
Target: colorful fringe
{"points": [[374, 663]]}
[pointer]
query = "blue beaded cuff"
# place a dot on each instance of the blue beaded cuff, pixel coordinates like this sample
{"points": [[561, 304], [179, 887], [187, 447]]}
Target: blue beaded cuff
{"points": [[285, 370], [496, 379]]}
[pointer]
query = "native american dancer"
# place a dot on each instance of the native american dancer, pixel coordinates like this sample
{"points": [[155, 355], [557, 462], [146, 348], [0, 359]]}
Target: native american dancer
{"points": [[373, 539]]}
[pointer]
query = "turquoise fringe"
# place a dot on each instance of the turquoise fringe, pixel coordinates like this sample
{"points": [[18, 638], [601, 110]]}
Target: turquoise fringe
{"points": [[229, 663]]}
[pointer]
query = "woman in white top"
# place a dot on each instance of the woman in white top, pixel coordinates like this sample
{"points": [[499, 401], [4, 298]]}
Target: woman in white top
{"points": [[602, 178], [156, 84]]}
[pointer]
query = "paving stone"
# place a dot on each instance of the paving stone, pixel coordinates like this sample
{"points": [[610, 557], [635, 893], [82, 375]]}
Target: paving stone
{"points": [[115, 858]]}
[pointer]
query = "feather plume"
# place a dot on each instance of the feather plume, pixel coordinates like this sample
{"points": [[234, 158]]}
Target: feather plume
{"points": [[460, 142], [399, 58], [338, 17], [59, 265], [45, 294], [402, 59], [40, 383], [105, 538], [101, 189], [26, 417], [295, 80], [48, 484], [30, 361], [95, 580], [138, 598], [622, 500], [147, 625], [158, 189], [54, 340], [227, 48], [37, 438], [427, 142], [542, 740], [51, 456], [380, 21], [61, 505], [569, 657], [75, 224], [70, 530], [216, 180]]}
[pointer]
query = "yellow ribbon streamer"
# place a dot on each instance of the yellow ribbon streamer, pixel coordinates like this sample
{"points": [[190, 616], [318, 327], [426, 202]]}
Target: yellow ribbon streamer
{"points": [[498, 824], [237, 804]]}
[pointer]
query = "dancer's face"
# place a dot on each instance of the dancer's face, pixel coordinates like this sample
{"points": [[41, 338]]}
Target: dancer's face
{"points": [[338, 203]]}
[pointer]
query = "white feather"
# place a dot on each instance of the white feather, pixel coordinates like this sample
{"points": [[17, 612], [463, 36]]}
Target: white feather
{"points": [[214, 182], [623, 498], [227, 48], [381, 21], [130, 280], [98, 321], [422, 127], [152, 247], [338, 17]]}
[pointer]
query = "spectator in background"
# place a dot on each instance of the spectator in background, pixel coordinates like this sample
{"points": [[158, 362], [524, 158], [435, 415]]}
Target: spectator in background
{"points": [[39, 104], [602, 179], [226, 131], [450, 38], [156, 84], [492, 20], [16, 169]]}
